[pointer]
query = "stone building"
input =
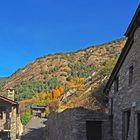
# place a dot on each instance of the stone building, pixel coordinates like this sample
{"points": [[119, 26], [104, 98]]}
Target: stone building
{"points": [[38, 110], [10, 125], [123, 87], [77, 124]]}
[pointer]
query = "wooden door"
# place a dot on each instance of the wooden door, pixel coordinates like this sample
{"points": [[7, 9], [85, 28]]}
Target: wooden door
{"points": [[94, 130]]}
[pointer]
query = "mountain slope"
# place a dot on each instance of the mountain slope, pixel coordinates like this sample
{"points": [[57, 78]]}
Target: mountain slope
{"points": [[93, 65]]}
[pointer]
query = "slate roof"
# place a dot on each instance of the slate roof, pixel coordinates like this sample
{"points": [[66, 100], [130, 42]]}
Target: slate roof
{"points": [[8, 100]]}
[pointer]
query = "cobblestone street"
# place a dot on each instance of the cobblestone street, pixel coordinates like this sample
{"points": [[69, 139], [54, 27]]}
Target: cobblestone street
{"points": [[35, 130]]}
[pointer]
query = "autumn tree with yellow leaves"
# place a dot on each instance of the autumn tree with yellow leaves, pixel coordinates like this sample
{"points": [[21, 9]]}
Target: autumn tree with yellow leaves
{"points": [[77, 83]]}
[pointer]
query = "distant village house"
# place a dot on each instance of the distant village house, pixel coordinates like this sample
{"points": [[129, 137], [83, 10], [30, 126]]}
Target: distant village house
{"points": [[38, 110]]}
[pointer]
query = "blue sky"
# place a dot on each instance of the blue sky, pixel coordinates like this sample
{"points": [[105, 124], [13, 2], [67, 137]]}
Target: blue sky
{"points": [[33, 28]]}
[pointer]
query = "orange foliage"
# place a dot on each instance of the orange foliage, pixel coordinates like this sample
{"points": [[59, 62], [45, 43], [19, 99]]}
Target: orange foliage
{"points": [[51, 99], [57, 92], [61, 89], [54, 94]]}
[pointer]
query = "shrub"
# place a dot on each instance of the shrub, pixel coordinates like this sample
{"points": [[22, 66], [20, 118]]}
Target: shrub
{"points": [[25, 117], [63, 74]]}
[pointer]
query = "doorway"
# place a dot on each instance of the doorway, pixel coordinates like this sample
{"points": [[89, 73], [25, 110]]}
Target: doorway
{"points": [[94, 130]]}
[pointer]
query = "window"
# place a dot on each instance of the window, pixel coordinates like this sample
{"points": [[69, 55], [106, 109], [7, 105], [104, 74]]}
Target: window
{"points": [[116, 84], [131, 75]]}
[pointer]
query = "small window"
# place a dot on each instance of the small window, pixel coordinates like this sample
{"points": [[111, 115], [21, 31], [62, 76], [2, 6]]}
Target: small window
{"points": [[116, 84], [131, 69]]}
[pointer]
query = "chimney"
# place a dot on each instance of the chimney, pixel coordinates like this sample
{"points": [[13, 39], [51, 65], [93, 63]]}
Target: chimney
{"points": [[11, 94]]}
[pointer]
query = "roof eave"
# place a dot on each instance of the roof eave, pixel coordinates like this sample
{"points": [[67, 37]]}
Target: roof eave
{"points": [[8, 100]]}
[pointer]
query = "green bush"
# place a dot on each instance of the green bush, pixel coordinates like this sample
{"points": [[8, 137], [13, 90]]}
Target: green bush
{"points": [[63, 74], [25, 117]]}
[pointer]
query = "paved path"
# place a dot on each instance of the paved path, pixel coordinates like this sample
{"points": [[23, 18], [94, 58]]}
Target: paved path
{"points": [[35, 130]]}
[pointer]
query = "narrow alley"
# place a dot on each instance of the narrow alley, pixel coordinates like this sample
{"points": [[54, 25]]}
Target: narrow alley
{"points": [[35, 129]]}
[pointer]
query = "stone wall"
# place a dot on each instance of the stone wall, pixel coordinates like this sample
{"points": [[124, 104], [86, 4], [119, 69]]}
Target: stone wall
{"points": [[124, 98], [13, 124], [19, 126], [71, 124]]}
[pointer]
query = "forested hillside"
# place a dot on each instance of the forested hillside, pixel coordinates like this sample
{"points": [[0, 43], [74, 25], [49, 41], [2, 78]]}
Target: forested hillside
{"points": [[65, 79]]}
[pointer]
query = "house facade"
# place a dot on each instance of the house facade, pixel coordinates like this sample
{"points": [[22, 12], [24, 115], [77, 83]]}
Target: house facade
{"points": [[123, 87], [10, 125]]}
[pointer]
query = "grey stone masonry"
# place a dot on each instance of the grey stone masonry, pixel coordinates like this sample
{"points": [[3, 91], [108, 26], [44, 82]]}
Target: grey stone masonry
{"points": [[71, 124], [127, 98]]}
